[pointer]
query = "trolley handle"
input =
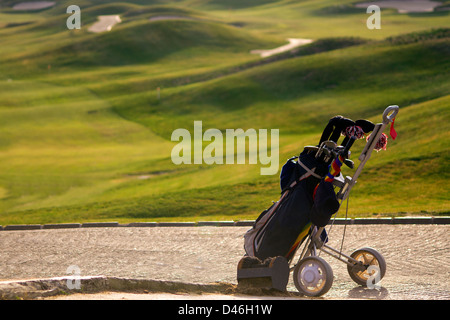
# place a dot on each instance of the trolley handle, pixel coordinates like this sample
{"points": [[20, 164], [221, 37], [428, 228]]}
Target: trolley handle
{"points": [[390, 113]]}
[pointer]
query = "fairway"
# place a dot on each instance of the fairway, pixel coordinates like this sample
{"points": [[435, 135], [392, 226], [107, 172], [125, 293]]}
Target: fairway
{"points": [[87, 115]]}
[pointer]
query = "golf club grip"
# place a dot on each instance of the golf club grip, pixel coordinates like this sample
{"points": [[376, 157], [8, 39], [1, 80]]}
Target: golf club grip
{"points": [[348, 146]]}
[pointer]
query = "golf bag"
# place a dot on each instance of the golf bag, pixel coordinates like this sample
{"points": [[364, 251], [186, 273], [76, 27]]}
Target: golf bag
{"points": [[307, 195]]}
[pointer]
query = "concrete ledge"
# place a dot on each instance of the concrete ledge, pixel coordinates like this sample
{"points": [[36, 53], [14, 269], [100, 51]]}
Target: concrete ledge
{"points": [[40, 288], [142, 224], [23, 227], [441, 220], [62, 226], [176, 224], [244, 223], [340, 221], [99, 224], [215, 224], [372, 221], [413, 220]]}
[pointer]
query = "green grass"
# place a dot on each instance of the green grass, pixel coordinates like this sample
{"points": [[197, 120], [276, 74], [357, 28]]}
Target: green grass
{"points": [[83, 136]]}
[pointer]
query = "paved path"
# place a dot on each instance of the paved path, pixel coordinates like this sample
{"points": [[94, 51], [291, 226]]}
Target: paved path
{"points": [[417, 256]]}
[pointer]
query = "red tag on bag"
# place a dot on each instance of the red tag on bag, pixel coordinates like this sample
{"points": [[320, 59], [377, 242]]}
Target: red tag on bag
{"points": [[392, 131]]}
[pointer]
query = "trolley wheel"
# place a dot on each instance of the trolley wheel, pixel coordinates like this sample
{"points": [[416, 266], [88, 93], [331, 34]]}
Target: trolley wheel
{"points": [[371, 266], [313, 276]]}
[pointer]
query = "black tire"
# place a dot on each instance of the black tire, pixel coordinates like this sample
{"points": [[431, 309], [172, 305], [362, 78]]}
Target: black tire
{"points": [[313, 276], [369, 257]]}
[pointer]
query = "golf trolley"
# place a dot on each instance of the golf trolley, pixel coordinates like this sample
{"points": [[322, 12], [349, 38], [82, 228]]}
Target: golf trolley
{"points": [[312, 275]]}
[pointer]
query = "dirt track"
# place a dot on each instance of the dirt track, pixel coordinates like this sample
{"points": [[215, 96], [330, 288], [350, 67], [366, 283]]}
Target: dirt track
{"points": [[417, 256]]}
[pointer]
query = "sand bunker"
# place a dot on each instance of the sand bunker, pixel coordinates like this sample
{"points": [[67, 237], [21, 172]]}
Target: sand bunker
{"points": [[405, 6], [293, 43], [34, 5], [104, 23]]}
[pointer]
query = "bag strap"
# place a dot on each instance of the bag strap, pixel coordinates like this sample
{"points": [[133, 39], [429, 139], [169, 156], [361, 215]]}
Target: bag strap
{"points": [[309, 172]]}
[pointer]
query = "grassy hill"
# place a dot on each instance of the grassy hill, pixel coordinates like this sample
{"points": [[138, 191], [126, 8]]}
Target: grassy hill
{"points": [[84, 136]]}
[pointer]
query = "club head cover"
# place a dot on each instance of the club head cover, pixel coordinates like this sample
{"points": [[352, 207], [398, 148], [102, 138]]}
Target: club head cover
{"points": [[334, 128]]}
